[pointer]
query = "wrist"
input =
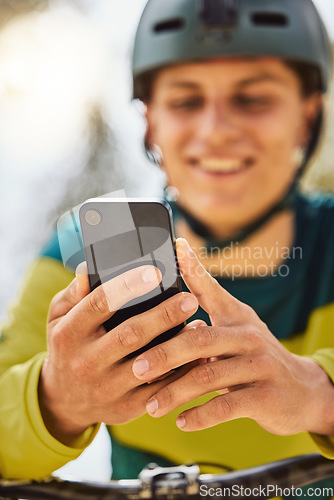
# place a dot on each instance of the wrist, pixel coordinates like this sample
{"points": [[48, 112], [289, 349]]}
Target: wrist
{"points": [[319, 410], [55, 413]]}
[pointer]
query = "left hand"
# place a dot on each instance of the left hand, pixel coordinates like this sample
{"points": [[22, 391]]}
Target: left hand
{"points": [[255, 375]]}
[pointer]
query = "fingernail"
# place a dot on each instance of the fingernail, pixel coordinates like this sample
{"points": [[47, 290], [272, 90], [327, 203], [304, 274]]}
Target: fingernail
{"points": [[190, 250], [150, 275], [186, 245], [140, 367], [81, 268], [188, 304], [180, 421], [152, 406]]}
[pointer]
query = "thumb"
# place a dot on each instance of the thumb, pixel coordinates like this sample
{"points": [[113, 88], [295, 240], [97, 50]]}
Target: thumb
{"points": [[212, 297], [65, 300], [82, 281]]}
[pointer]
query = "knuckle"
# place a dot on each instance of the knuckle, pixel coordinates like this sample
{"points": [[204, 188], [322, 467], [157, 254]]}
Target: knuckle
{"points": [[165, 397], [56, 300], [204, 374], [59, 337], [160, 354], [98, 301], [127, 283], [247, 311], [214, 284], [82, 368], [266, 365], [128, 335], [222, 408], [101, 394], [169, 315], [126, 408], [198, 417], [254, 336], [58, 305], [71, 292], [202, 337], [268, 395]]}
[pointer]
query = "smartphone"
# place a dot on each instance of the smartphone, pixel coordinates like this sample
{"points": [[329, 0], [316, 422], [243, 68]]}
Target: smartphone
{"points": [[121, 234]]}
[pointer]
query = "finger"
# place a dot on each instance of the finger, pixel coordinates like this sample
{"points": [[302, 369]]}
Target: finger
{"points": [[195, 324], [65, 300], [220, 305], [133, 402], [81, 274], [99, 305], [192, 324], [139, 330], [236, 404], [194, 342], [202, 379]]}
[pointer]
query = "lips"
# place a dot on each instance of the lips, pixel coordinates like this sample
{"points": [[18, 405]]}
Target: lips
{"points": [[221, 166]]}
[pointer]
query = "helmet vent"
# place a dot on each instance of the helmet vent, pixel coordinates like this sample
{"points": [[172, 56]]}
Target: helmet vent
{"points": [[222, 13], [271, 19], [170, 25]]}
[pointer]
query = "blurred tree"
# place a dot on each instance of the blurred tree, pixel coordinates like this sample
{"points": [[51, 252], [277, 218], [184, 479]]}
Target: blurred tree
{"points": [[101, 173], [320, 174], [87, 167]]}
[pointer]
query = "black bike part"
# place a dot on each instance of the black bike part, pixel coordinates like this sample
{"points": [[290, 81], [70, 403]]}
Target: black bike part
{"points": [[172, 483]]}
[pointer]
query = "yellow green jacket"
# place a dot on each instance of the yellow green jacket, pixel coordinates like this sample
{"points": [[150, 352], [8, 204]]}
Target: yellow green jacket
{"points": [[298, 307]]}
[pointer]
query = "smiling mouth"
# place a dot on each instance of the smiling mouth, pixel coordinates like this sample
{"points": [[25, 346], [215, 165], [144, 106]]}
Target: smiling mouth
{"points": [[218, 166]]}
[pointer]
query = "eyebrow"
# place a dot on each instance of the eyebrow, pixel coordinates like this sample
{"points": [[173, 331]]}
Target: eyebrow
{"points": [[183, 85], [264, 77]]}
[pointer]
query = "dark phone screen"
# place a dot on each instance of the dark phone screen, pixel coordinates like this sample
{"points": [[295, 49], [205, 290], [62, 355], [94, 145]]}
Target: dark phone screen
{"points": [[130, 234]]}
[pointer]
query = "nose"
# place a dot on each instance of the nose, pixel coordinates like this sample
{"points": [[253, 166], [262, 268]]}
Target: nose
{"points": [[219, 124]]}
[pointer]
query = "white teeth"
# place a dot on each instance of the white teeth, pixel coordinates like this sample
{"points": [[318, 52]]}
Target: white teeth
{"points": [[221, 165]]}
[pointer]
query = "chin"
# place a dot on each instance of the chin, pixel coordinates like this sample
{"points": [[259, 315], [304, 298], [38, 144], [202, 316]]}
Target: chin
{"points": [[219, 210], [218, 202]]}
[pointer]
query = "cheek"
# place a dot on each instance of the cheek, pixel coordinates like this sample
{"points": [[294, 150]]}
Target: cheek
{"points": [[277, 135], [169, 136], [172, 136]]}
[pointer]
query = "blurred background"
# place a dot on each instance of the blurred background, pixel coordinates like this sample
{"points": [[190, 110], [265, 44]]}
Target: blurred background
{"points": [[68, 131]]}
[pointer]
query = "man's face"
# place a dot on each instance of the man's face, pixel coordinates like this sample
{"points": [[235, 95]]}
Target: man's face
{"points": [[229, 130]]}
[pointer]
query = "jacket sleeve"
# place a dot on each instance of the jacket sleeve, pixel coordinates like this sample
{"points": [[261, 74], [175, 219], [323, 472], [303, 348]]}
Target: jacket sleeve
{"points": [[27, 449], [325, 358]]}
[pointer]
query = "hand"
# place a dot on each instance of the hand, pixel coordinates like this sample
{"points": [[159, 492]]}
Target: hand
{"points": [[86, 378], [254, 374]]}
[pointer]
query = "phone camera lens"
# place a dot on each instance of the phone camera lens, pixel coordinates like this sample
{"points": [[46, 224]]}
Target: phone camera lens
{"points": [[93, 217]]}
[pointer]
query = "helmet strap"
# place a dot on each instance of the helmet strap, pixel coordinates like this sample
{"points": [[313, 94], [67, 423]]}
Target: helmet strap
{"points": [[211, 242]]}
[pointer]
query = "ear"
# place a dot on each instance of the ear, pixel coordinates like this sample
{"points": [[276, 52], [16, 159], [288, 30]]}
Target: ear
{"points": [[150, 128], [312, 107], [153, 151]]}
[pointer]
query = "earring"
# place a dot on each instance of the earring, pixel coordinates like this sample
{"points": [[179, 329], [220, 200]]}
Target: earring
{"points": [[298, 156], [171, 193]]}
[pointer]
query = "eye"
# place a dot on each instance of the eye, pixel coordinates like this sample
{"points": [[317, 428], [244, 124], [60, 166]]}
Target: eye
{"points": [[187, 103], [255, 103]]}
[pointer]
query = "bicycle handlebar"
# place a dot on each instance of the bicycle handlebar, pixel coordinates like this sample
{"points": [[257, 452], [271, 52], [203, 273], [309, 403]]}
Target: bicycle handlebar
{"points": [[173, 483]]}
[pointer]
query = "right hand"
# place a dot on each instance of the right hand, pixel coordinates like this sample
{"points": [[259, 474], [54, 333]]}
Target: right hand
{"points": [[86, 378]]}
